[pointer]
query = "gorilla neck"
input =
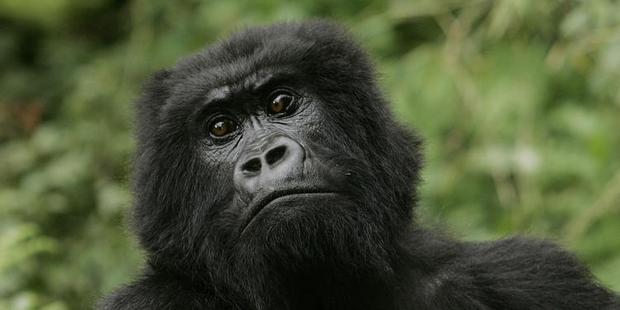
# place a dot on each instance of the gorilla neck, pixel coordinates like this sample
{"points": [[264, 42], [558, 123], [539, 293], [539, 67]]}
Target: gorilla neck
{"points": [[323, 286], [359, 280], [325, 257]]}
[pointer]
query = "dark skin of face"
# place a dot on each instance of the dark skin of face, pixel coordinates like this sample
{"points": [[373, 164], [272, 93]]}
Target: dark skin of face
{"points": [[260, 132], [261, 129]]}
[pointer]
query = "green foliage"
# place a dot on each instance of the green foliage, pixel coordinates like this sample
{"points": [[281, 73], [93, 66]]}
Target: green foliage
{"points": [[519, 102]]}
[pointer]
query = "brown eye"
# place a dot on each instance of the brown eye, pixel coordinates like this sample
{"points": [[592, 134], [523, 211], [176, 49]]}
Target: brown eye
{"points": [[222, 127], [279, 103]]}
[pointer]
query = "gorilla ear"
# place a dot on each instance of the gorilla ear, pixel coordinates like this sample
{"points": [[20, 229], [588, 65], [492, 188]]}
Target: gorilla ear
{"points": [[155, 92]]}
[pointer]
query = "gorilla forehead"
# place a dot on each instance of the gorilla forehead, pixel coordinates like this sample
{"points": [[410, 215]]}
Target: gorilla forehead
{"points": [[316, 51]]}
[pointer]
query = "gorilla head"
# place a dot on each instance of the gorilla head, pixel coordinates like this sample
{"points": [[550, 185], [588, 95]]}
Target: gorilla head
{"points": [[272, 157]]}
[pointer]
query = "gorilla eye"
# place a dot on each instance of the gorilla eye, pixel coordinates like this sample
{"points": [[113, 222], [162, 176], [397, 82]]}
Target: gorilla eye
{"points": [[279, 103], [221, 127]]}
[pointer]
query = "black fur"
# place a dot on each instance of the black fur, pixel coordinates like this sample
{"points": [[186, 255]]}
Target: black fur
{"points": [[356, 246]]}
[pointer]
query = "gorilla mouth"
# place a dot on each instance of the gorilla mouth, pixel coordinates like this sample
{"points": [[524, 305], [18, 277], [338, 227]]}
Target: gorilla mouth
{"points": [[261, 201]]}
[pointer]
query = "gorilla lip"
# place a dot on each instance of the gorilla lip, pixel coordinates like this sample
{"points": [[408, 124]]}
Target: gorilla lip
{"points": [[259, 203]]}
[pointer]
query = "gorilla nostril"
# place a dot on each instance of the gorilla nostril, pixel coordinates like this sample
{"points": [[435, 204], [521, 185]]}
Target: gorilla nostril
{"points": [[251, 166], [275, 154]]}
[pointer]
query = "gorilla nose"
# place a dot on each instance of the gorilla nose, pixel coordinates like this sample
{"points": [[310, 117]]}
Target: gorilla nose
{"points": [[278, 160]]}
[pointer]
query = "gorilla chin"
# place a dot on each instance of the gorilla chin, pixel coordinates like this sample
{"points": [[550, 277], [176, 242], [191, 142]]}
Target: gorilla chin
{"points": [[287, 205], [310, 226]]}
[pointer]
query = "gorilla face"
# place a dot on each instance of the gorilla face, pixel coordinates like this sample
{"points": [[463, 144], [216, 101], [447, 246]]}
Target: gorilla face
{"points": [[270, 151], [261, 130]]}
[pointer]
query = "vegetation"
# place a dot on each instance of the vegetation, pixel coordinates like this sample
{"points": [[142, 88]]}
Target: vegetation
{"points": [[519, 102]]}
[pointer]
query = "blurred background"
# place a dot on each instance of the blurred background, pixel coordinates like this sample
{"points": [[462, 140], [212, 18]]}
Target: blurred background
{"points": [[519, 102]]}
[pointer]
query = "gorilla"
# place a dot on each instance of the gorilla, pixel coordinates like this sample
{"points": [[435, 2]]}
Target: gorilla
{"points": [[270, 174]]}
